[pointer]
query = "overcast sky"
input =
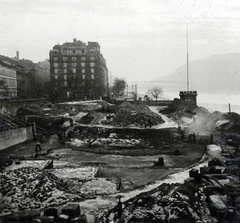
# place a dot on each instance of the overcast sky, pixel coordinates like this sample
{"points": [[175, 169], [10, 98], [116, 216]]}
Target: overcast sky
{"points": [[140, 39]]}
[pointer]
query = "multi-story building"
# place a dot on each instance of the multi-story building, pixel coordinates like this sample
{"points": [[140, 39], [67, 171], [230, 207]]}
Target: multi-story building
{"points": [[78, 69], [9, 77], [38, 78], [24, 78]]}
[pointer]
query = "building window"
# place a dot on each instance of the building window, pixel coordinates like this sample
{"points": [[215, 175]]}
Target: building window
{"points": [[55, 64], [83, 76], [56, 71], [92, 76], [56, 77], [83, 71], [64, 64], [74, 76], [64, 58], [92, 64], [74, 58], [12, 83], [92, 70], [65, 83], [65, 77], [83, 64], [83, 83], [92, 58], [74, 70], [83, 58], [55, 58], [64, 71], [83, 51], [74, 64]]}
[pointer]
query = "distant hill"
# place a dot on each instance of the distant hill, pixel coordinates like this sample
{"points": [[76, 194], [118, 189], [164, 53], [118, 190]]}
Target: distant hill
{"points": [[216, 73]]}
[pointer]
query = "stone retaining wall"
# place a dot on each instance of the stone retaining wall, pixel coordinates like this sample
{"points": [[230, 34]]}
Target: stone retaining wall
{"points": [[13, 137]]}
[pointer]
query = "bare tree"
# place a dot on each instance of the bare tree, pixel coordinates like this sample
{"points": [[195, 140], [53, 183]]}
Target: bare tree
{"points": [[155, 92]]}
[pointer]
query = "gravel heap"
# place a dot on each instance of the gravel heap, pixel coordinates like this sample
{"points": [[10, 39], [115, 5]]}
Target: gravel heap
{"points": [[135, 115], [31, 188]]}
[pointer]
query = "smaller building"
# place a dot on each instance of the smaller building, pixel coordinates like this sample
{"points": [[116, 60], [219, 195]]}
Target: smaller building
{"points": [[188, 96]]}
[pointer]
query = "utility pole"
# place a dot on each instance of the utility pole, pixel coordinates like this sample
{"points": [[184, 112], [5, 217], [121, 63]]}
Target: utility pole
{"points": [[187, 62], [135, 91]]}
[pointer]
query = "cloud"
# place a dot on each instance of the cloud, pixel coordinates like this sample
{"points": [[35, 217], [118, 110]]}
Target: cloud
{"points": [[126, 30]]}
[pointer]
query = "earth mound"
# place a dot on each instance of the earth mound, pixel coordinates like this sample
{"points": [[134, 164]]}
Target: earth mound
{"points": [[134, 115], [198, 119], [179, 109]]}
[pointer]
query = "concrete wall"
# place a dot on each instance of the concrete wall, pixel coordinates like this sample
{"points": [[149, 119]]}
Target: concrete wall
{"points": [[12, 106], [15, 136]]}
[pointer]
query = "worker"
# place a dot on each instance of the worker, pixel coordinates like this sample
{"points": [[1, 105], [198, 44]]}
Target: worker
{"points": [[179, 128], [211, 138], [194, 138], [150, 123], [38, 147], [190, 138]]}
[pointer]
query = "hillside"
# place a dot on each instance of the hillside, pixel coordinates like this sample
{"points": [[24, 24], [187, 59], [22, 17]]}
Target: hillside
{"points": [[218, 72]]}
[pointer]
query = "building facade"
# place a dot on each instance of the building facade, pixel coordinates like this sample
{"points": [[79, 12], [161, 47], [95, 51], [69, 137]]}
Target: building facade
{"points": [[32, 79], [9, 77], [78, 69], [24, 78]]}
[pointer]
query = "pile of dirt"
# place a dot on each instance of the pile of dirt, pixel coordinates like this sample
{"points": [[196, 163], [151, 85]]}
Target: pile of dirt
{"points": [[227, 128], [179, 109], [31, 188], [187, 113], [135, 115], [168, 203]]}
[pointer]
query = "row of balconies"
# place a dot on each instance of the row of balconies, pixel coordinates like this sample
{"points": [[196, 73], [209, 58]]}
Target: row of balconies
{"points": [[71, 66]]}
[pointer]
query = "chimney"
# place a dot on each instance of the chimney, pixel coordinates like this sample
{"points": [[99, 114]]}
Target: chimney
{"points": [[17, 56]]}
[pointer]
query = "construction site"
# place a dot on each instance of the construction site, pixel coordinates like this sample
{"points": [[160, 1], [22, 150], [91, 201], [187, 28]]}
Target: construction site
{"points": [[93, 161]]}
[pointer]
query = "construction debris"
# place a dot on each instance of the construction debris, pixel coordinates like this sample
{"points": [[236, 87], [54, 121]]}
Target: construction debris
{"points": [[31, 188], [134, 115]]}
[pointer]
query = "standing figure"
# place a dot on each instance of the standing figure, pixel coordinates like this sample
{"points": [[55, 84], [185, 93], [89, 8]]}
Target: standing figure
{"points": [[190, 138], [149, 123], [194, 138], [179, 128], [211, 138]]}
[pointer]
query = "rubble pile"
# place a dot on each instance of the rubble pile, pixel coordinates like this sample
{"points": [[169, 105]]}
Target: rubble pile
{"points": [[197, 118], [115, 142], [179, 109], [222, 187], [232, 123], [167, 203], [29, 110], [106, 139], [136, 115], [31, 188]]}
